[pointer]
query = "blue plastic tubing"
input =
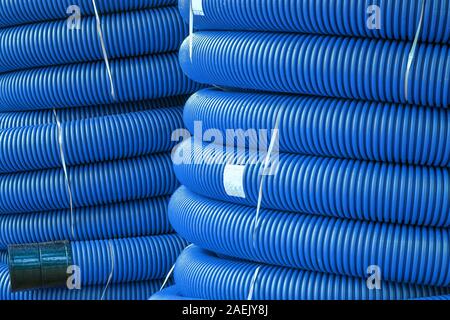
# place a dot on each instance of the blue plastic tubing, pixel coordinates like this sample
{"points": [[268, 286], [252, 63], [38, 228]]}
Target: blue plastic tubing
{"points": [[171, 294], [122, 220], [95, 184], [330, 127], [202, 274], [9, 120], [127, 259], [320, 65], [124, 291], [87, 141], [315, 243], [126, 34], [399, 19], [331, 187], [15, 12], [443, 298], [88, 84], [3, 257]]}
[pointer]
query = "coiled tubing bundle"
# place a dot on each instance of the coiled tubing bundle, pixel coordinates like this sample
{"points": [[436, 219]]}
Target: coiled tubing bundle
{"points": [[361, 174], [85, 134]]}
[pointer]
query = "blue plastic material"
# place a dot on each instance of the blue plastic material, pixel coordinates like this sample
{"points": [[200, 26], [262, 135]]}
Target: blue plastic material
{"points": [[88, 141], [320, 65], [95, 184], [329, 127], [127, 219], [9, 120], [125, 35], [124, 291], [171, 293], [3, 257], [399, 19], [14, 12], [322, 244], [128, 259], [437, 298], [88, 84], [202, 274], [342, 188]]}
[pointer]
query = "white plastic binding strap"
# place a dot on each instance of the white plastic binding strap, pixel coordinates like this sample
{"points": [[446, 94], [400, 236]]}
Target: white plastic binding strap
{"points": [[253, 283], [66, 174], [265, 172], [111, 253], [233, 180], [413, 50], [195, 8], [169, 274], [105, 54]]}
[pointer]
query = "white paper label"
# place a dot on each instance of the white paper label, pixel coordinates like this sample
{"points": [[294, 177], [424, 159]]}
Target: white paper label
{"points": [[233, 180], [197, 7]]}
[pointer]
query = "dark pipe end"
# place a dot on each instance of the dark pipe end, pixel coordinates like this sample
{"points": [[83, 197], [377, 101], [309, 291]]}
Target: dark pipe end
{"points": [[39, 265]]}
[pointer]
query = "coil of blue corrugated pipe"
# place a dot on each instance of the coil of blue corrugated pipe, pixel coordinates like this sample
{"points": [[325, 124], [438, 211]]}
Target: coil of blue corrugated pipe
{"points": [[128, 219], [107, 138], [24, 11], [320, 65], [10, 120], [322, 244], [94, 184], [88, 84], [124, 291], [202, 274], [362, 190], [399, 19], [126, 34], [329, 127], [171, 293]]}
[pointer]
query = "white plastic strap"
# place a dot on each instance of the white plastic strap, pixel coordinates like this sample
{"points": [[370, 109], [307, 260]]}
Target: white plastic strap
{"points": [[166, 279], [66, 174], [253, 283], [112, 255], [191, 30], [169, 274], [105, 54], [265, 172], [197, 7], [413, 50], [233, 180]]}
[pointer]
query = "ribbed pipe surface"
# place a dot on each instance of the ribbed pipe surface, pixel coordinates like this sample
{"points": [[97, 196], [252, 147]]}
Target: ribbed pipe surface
{"points": [[322, 244], [199, 273], [88, 141], [90, 185], [320, 65], [9, 120], [128, 219], [88, 84], [362, 190], [124, 291], [15, 12], [328, 127], [128, 259], [169, 294], [3, 257], [398, 19], [125, 34]]}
